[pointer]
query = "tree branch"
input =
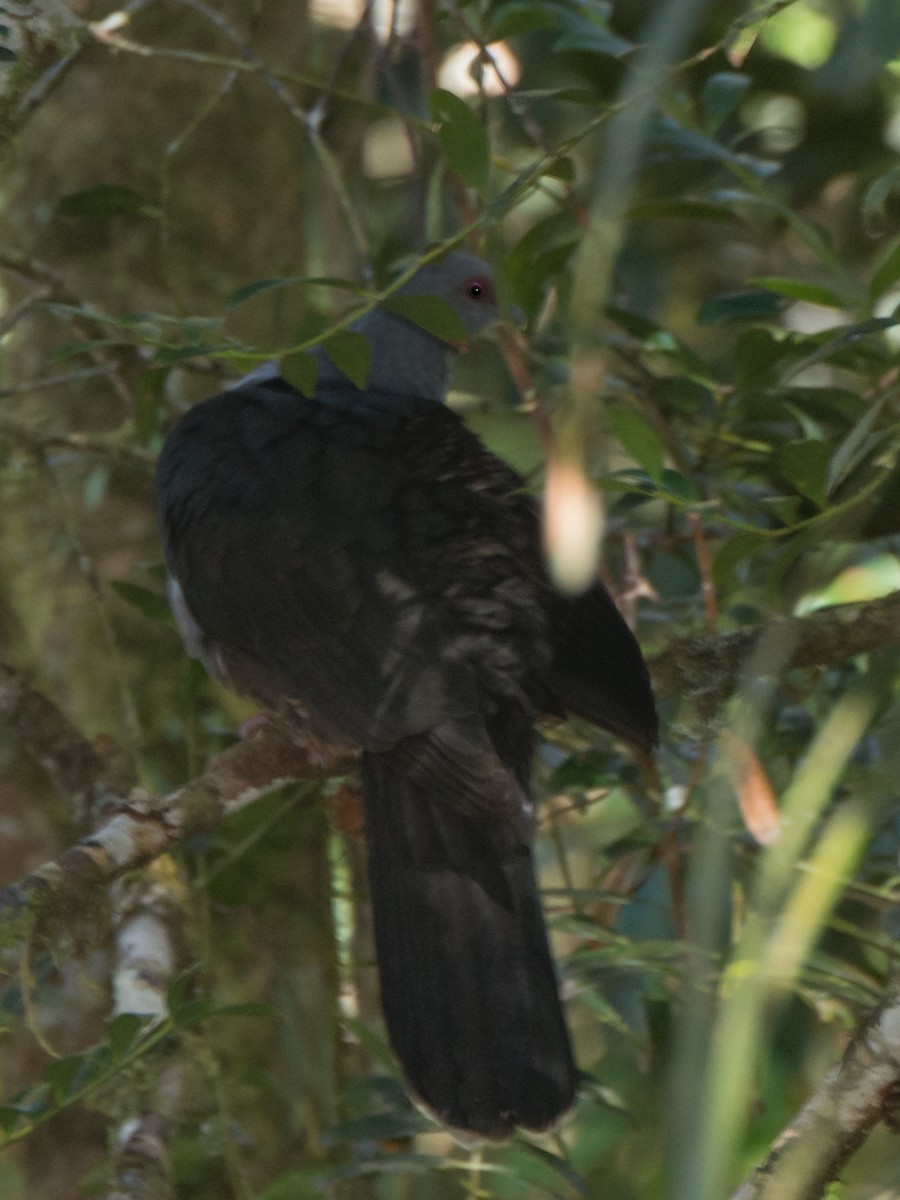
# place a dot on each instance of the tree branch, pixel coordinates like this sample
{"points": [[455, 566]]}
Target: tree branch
{"points": [[708, 668], [144, 826], [851, 1100]]}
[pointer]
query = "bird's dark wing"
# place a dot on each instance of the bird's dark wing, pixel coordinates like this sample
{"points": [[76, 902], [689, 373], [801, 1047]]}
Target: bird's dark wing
{"points": [[284, 524], [597, 669]]}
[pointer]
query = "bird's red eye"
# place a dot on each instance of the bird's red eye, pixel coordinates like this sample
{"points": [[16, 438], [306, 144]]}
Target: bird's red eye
{"points": [[476, 289]]}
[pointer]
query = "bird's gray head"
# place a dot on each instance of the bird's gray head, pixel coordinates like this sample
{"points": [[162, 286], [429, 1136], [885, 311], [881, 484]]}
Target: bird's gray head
{"points": [[407, 359], [466, 283]]}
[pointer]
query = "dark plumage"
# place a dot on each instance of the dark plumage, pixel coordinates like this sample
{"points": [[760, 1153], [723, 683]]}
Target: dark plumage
{"points": [[362, 566]]}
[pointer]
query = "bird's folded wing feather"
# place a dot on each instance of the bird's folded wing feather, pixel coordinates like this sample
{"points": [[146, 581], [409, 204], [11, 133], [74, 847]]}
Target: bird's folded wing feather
{"points": [[280, 520]]}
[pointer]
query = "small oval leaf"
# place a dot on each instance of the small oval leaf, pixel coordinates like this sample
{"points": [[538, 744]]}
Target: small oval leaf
{"points": [[431, 313], [805, 464], [151, 604], [639, 439], [351, 353], [301, 371], [462, 136]]}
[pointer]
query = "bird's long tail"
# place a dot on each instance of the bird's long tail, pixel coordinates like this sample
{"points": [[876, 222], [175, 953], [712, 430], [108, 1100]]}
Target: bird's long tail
{"points": [[467, 982]]}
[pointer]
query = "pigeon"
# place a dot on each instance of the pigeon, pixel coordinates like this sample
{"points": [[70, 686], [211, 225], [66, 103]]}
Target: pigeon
{"points": [[362, 566]]}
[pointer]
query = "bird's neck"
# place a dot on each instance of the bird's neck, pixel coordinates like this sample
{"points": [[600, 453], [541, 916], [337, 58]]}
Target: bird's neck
{"points": [[405, 360]]}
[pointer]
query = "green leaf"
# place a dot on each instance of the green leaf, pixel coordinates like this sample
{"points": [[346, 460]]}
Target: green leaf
{"points": [[123, 1030], [107, 200], [561, 168], [680, 209], [679, 486], [7, 55], [34, 1101], [431, 313], [876, 197], [639, 439], [296, 1184], [722, 95], [9, 1118], [192, 1012], [846, 336], [151, 604], [257, 287], [538, 255], [60, 1074], [168, 356], [672, 140], [733, 554], [758, 356], [351, 353], [250, 1008], [301, 371], [739, 306], [463, 138], [70, 349], [805, 464], [375, 1127], [886, 273], [512, 20], [593, 39], [796, 289], [95, 485], [857, 444]]}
